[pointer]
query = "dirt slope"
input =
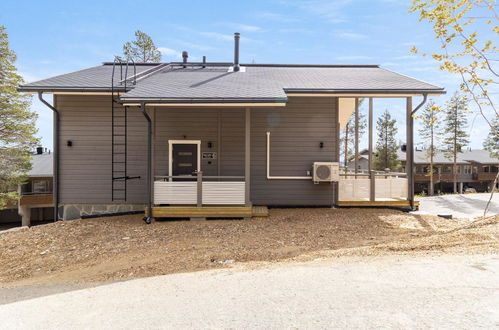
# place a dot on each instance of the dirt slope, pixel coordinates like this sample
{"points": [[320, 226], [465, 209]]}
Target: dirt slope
{"points": [[125, 247]]}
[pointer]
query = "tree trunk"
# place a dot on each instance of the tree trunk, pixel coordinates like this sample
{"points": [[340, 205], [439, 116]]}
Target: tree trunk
{"points": [[346, 148], [430, 191]]}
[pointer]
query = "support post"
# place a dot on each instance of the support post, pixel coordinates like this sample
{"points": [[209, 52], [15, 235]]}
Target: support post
{"points": [[199, 194], [25, 213], [372, 192], [356, 161], [247, 157], [410, 152]]}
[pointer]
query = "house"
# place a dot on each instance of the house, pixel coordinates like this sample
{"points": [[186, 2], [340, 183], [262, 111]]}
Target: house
{"points": [[204, 139], [475, 169], [36, 202]]}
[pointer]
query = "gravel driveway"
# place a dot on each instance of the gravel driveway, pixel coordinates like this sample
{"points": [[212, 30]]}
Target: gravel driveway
{"points": [[452, 292], [460, 206]]}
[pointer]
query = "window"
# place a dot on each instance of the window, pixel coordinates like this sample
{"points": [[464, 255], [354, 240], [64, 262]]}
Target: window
{"points": [[467, 169], [40, 186], [446, 169]]}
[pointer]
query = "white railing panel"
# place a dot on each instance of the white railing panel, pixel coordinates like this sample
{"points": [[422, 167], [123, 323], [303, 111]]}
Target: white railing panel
{"points": [[175, 192], [213, 193], [354, 189], [358, 189], [391, 187], [223, 193]]}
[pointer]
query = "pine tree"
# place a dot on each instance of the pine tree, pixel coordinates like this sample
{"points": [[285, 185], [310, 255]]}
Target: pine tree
{"points": [[386, 145], [17, 126], [455, 130], [347, 138], [491, 143], [142, 49], [430, 132]]}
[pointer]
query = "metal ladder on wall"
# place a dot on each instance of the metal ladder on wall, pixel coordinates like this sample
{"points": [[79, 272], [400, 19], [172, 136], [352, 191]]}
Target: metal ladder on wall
{"points": [[119, 130]]}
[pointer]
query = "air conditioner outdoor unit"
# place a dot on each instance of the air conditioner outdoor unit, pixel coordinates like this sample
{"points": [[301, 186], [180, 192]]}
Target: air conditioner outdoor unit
{"points": [[326, 172]]}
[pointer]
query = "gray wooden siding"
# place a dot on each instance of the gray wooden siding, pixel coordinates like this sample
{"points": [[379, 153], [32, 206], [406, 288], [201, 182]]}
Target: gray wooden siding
{"points": [[296, 131], [85, 168]]}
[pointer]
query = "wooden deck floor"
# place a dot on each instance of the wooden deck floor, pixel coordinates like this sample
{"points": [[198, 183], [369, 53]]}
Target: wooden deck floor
{"points": [[209, 211], [399, 203]]}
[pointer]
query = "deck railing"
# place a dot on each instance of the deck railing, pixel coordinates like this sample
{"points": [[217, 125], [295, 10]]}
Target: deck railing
{"points": [[387, 185], [199, 190]]}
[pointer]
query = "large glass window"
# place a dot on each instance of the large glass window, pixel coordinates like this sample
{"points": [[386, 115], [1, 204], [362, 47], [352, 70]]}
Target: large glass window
{"points": [[40, 186]]}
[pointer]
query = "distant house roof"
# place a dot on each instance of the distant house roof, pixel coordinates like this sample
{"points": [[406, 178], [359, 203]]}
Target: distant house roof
{"points": [[42, 165], [465, 157], [172, 83], [421, 157]]}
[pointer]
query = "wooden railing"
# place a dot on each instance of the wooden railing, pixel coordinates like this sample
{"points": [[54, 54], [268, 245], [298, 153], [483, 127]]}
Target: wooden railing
{"points": [[484, 176], [36, 199], [199, 190]]}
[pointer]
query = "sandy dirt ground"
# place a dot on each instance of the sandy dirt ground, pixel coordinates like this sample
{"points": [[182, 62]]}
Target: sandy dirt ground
{"points": [[124, 247], [373, 292]]}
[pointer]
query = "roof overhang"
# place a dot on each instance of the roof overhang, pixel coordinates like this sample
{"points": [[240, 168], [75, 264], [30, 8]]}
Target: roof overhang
{"points": [[394, 93], [209, 104], [70, 90]]}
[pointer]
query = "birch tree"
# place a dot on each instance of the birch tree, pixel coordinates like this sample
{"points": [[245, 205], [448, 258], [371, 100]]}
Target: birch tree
{"points": [[430, 132], [17, 126]]}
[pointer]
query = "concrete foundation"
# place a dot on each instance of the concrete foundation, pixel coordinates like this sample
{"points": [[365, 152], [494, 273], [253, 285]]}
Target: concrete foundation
{"points": [[78, 211]]}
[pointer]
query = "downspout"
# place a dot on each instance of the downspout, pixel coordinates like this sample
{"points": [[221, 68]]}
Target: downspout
{"points": [[410, 150], [149, 218], [55, 183]]}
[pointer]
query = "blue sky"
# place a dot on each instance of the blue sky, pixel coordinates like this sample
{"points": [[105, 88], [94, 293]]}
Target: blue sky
{"points": [[55, 37]]}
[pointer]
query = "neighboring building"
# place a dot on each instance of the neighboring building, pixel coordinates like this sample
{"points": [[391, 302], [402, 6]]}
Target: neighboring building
{"points": [[475, 169], [35, 204], [222, 135]]}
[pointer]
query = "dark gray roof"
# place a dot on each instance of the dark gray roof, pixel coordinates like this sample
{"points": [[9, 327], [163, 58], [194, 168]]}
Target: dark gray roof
{"points": [[97, 78], [261, 82], [42, 165], [465, 157]]}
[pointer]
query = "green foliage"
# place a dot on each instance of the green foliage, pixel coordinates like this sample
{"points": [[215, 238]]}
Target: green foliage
{"points": [[347, 136], [456, 122], [17, 126], [386, 145], [492, 142], [142, 49], [467, 31], [430, 131]]}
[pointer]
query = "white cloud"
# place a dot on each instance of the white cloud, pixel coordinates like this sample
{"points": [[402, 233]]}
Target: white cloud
{"points": [[240, 27], [353, 58], [218, 36], [351, 35], [276, 17], [170, 52], [331, 11]]}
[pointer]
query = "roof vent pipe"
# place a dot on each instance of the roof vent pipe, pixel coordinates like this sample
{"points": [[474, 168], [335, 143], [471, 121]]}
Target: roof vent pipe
{"points": [[204, 61], [185, 55], [236, 51]]}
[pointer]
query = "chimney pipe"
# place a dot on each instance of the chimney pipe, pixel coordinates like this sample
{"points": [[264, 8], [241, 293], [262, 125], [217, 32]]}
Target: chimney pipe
{"points": [[185, 55], [236, 51], [204, 61]]}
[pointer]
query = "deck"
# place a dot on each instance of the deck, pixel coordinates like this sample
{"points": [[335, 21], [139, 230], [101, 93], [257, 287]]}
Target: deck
{"points": [[388, 202], [209, 211]]}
